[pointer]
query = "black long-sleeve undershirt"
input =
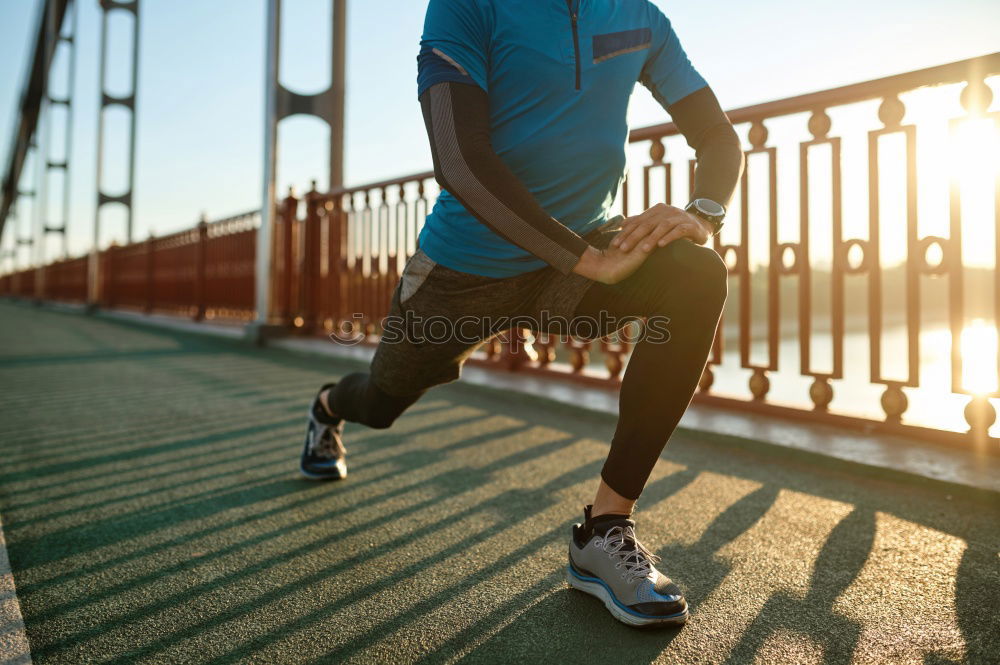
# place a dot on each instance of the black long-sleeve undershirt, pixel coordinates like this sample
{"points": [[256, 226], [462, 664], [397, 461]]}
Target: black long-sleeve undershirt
{"points": [[704, 124], [457, 119]]}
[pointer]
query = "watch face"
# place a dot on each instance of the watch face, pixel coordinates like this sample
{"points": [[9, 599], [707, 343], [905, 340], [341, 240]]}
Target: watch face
{"points": [[710, 207]]}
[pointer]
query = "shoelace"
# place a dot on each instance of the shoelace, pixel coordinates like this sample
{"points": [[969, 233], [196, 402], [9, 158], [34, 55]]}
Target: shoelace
{"points": [[325, 444], [637, 561]]}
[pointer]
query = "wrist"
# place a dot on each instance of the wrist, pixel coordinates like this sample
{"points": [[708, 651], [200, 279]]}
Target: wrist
{"points": [[708, 212], [708, 226], [591, 263]]}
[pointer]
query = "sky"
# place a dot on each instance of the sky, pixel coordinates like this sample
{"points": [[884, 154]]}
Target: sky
{"points": [[199, 104]]}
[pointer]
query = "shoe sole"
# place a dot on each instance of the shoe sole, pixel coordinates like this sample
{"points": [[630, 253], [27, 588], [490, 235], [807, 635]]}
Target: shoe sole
{"points": [[341, 473], [599, 590]]}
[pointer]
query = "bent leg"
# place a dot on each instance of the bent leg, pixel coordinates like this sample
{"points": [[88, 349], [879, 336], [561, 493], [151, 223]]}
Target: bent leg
{"points": [[411, 358], [357, 399], [406, 365], [684, 286], [409, 369]]}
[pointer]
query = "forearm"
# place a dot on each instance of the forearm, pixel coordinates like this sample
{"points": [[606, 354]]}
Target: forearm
{"points": [[717, 148], [719, 166], [457, 120]]}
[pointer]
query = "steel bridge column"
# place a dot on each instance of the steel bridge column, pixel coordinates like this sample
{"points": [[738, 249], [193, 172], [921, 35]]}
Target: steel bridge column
{"points": [[108, 100], [53, 38], [338, 82], [16, 241], [28, 238], [272, 47], [279, 103]]}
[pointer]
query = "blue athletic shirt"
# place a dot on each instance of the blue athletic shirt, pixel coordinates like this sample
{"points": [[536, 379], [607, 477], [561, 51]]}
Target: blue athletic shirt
{"points": [[558, 91]]}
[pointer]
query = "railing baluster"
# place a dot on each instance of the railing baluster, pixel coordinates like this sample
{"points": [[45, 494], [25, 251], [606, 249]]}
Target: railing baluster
{"points": [[759, 383], [357, 264], [150, 285], [383, 286], [894, 400], [979, 413], [821, 390], [334, 262], [286, 218], [369, 300], [201, 272], [656, 154], [309, 278]]}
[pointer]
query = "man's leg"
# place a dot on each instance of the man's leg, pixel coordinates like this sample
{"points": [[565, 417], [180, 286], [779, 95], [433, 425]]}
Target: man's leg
{"points": [[360, 398], [357, 399], [414, 354], [686, 284]]}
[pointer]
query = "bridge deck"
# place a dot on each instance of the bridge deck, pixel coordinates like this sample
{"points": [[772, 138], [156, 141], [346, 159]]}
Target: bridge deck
{"points": [[152, 513]]}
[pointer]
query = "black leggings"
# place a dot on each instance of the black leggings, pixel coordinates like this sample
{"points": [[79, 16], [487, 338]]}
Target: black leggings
{"points": [[682, 283]]}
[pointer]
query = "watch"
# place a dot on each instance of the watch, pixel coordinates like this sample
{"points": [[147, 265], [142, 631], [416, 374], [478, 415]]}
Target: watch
{"points": [[708, 210]]}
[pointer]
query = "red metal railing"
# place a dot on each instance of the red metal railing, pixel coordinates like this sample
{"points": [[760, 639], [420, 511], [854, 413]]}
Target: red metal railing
{"points": [[21, 284], [67, 280], [225, 267], [803, 276], [833, 274], [203, 272], [338, 264]]}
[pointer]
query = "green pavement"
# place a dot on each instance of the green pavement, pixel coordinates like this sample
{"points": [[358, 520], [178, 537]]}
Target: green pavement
{"points": [[152, 512]]}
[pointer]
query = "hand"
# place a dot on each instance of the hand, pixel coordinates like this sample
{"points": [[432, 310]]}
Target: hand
{"points": [[609, 266], [658, 227]]}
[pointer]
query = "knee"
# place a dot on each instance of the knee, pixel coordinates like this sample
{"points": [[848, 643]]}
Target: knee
{"points": [[704, 272], [381, 420], [382, 413], [382, 408], [713, 274]]}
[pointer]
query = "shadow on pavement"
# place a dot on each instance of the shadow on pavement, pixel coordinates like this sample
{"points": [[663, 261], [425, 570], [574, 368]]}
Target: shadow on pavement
{"points": [[166, 523]]}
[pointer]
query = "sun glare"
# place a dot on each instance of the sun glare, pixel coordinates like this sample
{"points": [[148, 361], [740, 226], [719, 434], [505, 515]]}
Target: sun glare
{"points": [[974, 162], [979, 357], [975, 152]]}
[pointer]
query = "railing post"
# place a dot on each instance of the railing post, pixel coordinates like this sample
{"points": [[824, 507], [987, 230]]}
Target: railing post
{"points": [[92, 292], [615, 353], [309, 278], [518, 350], [150, 284], [39, 284], [200, 269], [580, 350], [109, 276], [289, 207], [335, 262]]}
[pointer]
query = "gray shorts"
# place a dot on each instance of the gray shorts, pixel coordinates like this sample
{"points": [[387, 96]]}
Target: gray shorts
{"points": [[439, 316]]}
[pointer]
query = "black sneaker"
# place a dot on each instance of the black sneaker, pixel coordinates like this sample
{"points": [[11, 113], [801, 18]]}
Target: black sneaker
{"points": [[323, 456]]}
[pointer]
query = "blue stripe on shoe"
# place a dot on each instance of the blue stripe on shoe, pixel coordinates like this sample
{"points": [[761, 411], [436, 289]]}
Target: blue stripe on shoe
{"points": [[617, 602]]}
